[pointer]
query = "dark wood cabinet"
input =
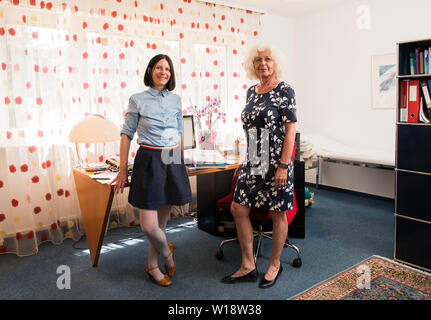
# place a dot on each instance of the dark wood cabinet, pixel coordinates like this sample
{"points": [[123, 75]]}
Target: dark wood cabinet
{"points": [[412, 241]]}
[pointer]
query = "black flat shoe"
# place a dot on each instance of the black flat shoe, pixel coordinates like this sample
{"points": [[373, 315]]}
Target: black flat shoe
{"points": [[249, 277], [266, 283]]}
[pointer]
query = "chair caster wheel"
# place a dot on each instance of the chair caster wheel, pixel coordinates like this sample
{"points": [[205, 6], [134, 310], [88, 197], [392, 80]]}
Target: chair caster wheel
{"points": [[219, 254], [297, 263]]}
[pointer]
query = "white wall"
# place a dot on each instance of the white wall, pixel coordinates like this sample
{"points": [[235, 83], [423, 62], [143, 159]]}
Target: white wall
{"points": [[272, 28], [330, 63]]}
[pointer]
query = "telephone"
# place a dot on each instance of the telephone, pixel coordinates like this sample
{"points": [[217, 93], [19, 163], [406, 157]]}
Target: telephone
{"points": [[115, 165], [112, 162]]}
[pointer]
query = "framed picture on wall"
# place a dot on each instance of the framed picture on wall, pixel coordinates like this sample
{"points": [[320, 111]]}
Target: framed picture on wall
{"points": [[383, 72]]}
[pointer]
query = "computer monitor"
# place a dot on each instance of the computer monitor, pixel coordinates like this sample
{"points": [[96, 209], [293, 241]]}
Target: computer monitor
{"points": [[189, 132]]}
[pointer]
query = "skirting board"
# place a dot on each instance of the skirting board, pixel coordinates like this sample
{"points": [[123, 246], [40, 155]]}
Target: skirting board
{"points": [[375, 181]]}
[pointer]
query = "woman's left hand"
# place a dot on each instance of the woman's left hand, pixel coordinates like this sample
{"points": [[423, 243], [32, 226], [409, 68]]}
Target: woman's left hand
{"points": [[280, 178]]}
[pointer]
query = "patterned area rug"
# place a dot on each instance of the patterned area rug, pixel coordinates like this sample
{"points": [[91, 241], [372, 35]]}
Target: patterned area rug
{"points": [[376, 278]]}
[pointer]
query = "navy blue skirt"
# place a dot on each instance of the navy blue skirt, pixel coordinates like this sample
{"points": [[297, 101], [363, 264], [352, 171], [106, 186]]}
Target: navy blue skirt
{"points": [[157, 180]]}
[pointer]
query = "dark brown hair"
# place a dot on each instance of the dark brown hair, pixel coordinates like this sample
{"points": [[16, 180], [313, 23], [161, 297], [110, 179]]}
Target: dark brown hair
{"points": [[148, 78]]}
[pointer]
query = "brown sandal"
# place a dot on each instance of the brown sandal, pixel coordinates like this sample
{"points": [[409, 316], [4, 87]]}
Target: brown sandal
{"points": [[162, 282], [171, 271]]}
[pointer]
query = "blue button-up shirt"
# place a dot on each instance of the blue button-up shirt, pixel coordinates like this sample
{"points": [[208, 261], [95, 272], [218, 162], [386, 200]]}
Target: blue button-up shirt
{"points": [[156, 116]]}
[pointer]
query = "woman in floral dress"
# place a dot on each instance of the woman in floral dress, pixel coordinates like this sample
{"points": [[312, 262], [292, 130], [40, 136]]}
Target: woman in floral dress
{"points": [[266, 177]]}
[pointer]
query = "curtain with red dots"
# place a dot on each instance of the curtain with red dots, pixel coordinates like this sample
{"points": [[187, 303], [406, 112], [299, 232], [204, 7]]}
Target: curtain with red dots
{"points": [[61, 60]]}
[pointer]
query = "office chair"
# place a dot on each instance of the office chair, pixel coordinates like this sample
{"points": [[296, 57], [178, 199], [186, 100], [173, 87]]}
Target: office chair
{"points": [[259, 218]]}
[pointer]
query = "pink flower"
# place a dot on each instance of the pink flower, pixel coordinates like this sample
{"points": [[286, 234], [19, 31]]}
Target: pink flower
{"points": [[207, 115]]}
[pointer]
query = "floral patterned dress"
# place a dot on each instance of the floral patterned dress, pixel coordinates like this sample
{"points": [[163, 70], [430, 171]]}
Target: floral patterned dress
{"points": [[264, 118]]}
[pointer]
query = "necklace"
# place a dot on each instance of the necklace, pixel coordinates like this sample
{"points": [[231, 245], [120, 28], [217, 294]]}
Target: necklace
{"points": [[266, 87]]}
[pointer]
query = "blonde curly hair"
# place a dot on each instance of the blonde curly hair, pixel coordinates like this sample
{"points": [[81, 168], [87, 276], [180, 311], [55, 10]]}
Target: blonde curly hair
{"points": [[277, 57]]}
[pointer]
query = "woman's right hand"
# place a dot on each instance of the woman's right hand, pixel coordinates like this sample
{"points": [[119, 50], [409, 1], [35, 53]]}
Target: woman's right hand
{"points": [[120, 181]]}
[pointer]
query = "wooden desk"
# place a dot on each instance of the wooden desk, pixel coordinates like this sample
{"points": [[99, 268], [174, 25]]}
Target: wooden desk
{"points": [[199, 172], [95, 200]]}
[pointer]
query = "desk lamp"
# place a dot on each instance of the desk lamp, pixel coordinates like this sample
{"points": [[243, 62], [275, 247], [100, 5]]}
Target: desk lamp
{"points": [[93, 129]]}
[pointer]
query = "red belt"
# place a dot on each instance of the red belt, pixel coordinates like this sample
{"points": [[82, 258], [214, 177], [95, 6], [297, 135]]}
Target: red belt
{"points": [[158, 148]]}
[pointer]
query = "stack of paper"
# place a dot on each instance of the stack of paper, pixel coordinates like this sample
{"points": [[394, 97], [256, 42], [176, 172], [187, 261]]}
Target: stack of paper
{"points": [[307, 151], [205, 158], [99, 166], [104, 177]]}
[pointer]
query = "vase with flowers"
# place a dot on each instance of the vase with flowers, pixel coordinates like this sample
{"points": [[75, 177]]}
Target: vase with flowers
{"points": [[206, 118]]}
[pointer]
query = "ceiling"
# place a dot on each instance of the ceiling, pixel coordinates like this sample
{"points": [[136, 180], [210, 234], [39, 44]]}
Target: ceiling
{"points": [[289, 8]]}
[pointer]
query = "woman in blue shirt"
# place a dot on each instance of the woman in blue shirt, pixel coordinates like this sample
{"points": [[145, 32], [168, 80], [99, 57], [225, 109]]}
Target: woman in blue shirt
{"points": [[159, 178]]}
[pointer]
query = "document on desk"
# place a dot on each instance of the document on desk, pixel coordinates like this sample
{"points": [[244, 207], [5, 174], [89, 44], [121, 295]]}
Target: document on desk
{"points": [[207, 158], [105, 177]]}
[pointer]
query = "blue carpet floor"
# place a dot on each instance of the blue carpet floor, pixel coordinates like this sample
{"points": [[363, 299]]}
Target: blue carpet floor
{"points": [[342, 229]]}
